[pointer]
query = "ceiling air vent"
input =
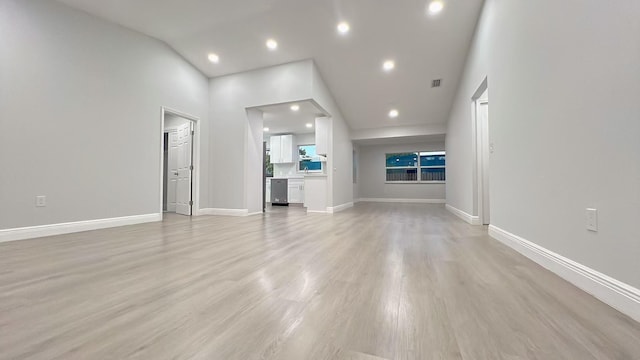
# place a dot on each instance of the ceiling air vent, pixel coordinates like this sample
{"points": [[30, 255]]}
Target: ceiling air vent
{"points": [[436, 83]]}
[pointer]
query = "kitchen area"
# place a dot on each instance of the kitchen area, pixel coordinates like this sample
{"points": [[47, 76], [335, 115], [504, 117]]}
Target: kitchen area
{"points": [[296, 142]]}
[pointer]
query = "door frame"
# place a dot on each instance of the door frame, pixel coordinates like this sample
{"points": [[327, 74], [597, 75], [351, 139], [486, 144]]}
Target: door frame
{"points": [[165, 171], [477, 144], [195, 157], [264, 175]]}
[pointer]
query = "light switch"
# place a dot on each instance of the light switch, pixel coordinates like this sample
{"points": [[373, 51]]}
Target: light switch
{"points": [[592, 219]]}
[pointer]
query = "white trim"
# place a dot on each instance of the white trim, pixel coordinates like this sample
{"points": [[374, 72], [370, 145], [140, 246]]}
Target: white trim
{"points": [[225, 212], [476, 144], [254, 213], [335, 209], [316, 212], [73, 227], [622, 297], [195, 160], [396, 200], [471, 219]]}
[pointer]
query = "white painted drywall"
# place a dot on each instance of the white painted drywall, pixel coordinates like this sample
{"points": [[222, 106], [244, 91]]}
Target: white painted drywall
{"points": [[254, 161], [230, 96], [391, 132], [305, 139], [356, 163], [339, 159], [372, 173], [565, 120], [460, 132], [172, 121], [79, 89]]}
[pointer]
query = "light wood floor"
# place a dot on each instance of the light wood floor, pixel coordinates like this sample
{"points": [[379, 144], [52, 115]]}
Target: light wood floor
{"points": [[379, 281]]}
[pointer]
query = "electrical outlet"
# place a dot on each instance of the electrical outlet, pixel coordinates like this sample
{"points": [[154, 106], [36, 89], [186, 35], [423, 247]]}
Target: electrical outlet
{"points": [[41, 201], [592, 219]]}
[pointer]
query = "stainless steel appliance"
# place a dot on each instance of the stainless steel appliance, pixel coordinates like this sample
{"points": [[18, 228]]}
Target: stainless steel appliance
{"points": [[279, 190]]}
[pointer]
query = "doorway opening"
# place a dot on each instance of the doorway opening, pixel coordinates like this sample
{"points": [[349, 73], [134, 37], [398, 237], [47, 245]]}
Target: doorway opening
{"points": [[288, 153], [482, 149], [178, 168]]}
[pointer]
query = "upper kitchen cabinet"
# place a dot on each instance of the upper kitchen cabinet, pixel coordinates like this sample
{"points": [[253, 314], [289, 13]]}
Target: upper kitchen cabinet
{"points": [[282, 149]]}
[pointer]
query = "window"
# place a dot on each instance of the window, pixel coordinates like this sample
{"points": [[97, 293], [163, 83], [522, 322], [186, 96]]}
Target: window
{"points": [[432, 166], [418, 166], [308, 159]]}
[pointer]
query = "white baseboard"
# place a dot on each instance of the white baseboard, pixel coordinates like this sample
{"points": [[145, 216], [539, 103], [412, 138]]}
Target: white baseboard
{"points": [[622, 297], [392, 200], [471, 219], [335, 209], [316, 212], [72, 227], [224, 212]]}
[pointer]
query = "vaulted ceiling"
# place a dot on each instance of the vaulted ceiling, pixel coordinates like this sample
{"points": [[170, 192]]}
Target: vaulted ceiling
{"points": [[423, 46]]}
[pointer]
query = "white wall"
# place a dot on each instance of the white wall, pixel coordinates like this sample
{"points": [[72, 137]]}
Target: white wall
{"points": [[356, 181], [305, 139], [391, 132], [339, 160], [372, 171], [564, 117], [460, 132], [89, 92], [229, 97], [254, 149], [172, 121]]}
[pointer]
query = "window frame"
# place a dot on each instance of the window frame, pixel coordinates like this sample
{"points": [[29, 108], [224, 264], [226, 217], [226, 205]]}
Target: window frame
{"points": [[418, 167]]}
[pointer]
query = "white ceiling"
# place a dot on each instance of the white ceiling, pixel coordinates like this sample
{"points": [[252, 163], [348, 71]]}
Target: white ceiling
{"points": [[424, 47], [280, 119]]}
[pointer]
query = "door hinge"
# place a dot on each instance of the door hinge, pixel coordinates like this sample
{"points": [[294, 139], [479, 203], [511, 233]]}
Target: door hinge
{"points": [[191, 167], [192, 132], [190, 202]]}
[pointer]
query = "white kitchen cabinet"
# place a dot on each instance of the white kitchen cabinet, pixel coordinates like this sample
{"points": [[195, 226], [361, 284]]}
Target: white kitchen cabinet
{"points": [[296, 191], [275, 149], [286, 143], [281, 149]]}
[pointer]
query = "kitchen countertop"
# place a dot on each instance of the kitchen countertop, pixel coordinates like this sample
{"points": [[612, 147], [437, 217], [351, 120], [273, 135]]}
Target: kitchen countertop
{"points": [[299, 176]]}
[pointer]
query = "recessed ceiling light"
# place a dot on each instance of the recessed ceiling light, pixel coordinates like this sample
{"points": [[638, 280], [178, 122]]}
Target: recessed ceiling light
{"points": [[393, 113], [295, 107], [309, 125], [214, 58], [343, 27], [388, 65], [265, 129], [272, 44], [435, 7]]}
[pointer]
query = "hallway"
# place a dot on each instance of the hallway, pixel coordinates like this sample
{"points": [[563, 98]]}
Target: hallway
{"points": [[378, 281]]}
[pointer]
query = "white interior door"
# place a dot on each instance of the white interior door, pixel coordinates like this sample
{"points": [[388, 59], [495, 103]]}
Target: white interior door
{"points": [[172, 171], [183, 193], [483, 117]]}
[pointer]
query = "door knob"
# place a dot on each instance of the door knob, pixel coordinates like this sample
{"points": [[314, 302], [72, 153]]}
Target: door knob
{"points": [[175, 173]]}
